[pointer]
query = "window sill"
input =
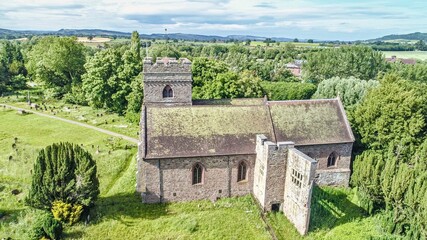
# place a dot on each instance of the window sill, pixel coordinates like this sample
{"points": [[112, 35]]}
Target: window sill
{"points": [[242, 181]]}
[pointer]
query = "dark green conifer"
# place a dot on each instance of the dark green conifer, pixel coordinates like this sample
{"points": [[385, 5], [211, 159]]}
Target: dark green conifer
{"points": [[64, 172]]}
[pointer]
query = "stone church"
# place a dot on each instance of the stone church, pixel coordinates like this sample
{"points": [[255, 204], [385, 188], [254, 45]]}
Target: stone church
{"points": [[209, 149]]}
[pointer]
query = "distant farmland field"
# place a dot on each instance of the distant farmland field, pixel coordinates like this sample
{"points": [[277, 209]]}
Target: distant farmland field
{"points": [[421, 55], [94, 42]]}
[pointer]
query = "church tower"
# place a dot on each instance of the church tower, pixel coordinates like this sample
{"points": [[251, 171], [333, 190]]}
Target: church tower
{"points": [[167, 82]]}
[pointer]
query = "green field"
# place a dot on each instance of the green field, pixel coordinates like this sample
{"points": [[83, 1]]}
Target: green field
{"points": [[119, 213], [421, 55]]}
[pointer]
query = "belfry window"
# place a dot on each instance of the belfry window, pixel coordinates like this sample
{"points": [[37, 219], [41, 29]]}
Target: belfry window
{"points": [[167, 92], [197, 173], [332, 159], [241, 171]]}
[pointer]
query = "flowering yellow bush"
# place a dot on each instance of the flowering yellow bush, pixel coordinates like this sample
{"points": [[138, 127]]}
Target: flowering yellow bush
{"points": [[66, 212]]}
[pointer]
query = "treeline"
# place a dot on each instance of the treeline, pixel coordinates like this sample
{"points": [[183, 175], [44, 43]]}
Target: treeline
{"points": [[395, 46]]}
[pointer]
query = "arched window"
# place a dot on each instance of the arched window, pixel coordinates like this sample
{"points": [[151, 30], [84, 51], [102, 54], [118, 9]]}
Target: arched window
{"points": [[241, 171], [167, 92], [197, 173], [332, 159]]}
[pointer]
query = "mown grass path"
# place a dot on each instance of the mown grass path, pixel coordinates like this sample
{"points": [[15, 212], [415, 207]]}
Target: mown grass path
{"points": [[127, 138]]}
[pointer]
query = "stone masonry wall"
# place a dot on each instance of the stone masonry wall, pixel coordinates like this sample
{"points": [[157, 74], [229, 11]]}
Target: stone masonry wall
{"points": [[298, 187], [338, 175], [167, 71], [153, 93], [269, 173], [260, 176], [170, 180]]}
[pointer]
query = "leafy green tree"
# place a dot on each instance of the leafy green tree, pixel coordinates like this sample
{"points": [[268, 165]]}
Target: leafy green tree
{"points": [[57, 63], [63, 172], [12, 69], [205, 71], [416, 72], [359, 61], [351, 90], [101, 80], [112, 78], [393, 112], [421, 45], [391, 173], [249, 85], [213, 80], [132, 68]]}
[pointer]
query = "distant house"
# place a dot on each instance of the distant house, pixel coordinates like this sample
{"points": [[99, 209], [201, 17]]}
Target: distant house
{"points": [[394, 59], [295, 67]]}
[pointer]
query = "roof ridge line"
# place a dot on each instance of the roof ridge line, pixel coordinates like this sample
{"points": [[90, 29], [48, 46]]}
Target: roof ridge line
{"points": [[347, 123], [271, 121]]}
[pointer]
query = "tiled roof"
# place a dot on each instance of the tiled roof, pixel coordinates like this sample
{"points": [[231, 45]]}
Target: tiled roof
{"points": [[209, 130]]}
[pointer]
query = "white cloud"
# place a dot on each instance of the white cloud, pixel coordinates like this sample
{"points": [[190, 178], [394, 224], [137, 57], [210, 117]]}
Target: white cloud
{"points": [[301, 18]]}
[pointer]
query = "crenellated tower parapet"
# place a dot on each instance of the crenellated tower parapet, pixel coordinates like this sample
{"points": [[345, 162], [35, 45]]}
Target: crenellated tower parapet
{"points": [[167, 81]]}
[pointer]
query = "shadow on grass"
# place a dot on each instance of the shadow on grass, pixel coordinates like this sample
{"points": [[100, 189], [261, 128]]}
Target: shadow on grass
{"points": [[10, 215], [73, 235], [125, 208], [330, 207]]}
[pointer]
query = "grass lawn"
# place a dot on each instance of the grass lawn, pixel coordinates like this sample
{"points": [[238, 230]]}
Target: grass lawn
{"points": [[96, 117], [334, 215], [119, 213], [421, 55]]}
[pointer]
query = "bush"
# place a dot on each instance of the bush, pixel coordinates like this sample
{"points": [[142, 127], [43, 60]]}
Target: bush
{"points": [[288, 90], [46, 226], [66, 212], [64, 172]]}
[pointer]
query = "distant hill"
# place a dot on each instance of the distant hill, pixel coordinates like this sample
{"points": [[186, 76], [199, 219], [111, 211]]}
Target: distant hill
{"points": [[13, 34], [411, 36]]}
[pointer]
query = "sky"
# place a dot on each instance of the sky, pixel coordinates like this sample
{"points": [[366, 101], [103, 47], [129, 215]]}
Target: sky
{"points": [[303, 19]]}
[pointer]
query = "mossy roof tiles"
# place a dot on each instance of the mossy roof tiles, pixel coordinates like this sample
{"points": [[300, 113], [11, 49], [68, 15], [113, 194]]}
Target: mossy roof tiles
{"points": [[310, 122], [208, 130], [205, 130]]}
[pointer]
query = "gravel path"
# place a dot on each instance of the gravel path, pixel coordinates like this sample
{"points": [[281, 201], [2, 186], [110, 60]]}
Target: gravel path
{"points": [[133, 140]]}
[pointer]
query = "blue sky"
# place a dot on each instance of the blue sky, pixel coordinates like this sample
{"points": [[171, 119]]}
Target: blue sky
{"points": [[316, 19]]}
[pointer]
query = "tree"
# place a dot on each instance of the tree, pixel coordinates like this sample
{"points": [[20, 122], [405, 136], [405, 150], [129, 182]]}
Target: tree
{"points": [[391, 173], [416, 72], [63, 172], [296, 40], [420, 45], [310, 41], [204, 71], [12, 69], [112, 78], [57, 63], [212, 79], [393, 112], [351, 90], [101, 81], [358, 61]]}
